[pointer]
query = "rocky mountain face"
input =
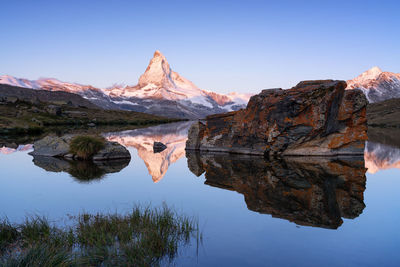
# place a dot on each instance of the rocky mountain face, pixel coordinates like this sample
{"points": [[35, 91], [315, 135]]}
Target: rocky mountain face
{"points": [[12, 93], [163, 91], [312, 118], [377, 85], [311, 192], [160, 91], [94, 95]]}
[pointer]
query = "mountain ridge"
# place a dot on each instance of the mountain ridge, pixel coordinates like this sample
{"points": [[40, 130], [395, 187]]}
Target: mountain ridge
{"points": [[376, 84], [160, 91]]}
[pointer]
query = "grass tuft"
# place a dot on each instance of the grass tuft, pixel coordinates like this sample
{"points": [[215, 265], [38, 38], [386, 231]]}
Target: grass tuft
{"points": [[143, 237], [86, 146], [8, 234]]}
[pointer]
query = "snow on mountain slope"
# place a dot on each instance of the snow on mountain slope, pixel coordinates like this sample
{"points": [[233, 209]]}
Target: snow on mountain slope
{"points": [[159, 82], [10, 80], [377, 85], [159, 91]]}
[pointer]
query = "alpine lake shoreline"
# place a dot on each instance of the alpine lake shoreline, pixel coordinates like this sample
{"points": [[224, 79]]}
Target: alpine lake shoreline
{"points": [[101, 239]]}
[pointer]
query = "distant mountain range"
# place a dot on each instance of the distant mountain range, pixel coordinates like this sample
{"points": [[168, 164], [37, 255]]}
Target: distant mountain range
{"points": [[160, 91], [377, 85]]}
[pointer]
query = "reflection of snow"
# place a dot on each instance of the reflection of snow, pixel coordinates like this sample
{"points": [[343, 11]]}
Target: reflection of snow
{"points": [[380, 157], [173, 135], [8, 150]]}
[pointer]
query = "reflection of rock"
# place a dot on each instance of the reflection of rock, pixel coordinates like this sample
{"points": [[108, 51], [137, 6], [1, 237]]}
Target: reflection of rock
{"points": [[173, 135], [158, 147], [381, 157], [313, 192], [84, 171], [312, 118]]}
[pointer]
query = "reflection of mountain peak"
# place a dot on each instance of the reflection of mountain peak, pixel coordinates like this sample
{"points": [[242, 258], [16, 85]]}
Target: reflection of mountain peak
{"points": [[9, 150], [381, 157], [173, 135]]}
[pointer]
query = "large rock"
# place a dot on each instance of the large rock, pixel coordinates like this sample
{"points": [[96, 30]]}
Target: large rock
{"points": [[112, 151], [54, 146], [316, 191], [312, 118]]}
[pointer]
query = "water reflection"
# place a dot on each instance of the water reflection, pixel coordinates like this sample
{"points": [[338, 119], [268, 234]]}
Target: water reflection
{"points": [[82, 171], [173, 135], [12, 148], [381, 157], [312, 192]]}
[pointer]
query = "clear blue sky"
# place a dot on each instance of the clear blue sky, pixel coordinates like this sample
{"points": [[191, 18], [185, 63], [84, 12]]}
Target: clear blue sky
{"points": [[223, 46]]}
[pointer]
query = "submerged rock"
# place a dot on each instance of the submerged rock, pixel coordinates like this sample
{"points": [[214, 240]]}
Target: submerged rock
{"points": [[54, 146], [312, 118], [158, 147], [111, 151]]}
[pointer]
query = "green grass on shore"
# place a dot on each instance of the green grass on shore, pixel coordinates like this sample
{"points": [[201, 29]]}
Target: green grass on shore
{"points": [[27, 118], [144, 237]]}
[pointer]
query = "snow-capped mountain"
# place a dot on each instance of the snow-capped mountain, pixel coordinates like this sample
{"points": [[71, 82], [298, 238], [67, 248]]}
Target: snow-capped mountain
{"points": [[160, 91], [163, 91], [377, 85], [95, 95]]}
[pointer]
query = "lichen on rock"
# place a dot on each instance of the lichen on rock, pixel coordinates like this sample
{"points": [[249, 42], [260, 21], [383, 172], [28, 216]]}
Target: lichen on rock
{"points": [[313, 118]]}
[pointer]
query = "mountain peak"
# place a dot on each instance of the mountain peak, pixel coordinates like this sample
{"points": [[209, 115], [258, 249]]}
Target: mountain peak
{"points": [[158, 53], [372, 72], [158, 72]]}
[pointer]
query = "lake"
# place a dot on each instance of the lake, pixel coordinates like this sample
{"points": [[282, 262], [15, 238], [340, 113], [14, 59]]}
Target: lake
{"points": [[251, 211]]}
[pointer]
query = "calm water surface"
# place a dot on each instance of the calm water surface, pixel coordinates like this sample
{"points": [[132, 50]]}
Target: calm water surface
{"points": [[252, 212]]}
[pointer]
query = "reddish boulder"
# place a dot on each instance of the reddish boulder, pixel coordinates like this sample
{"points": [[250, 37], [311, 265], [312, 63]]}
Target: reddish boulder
{"points": [[312, 118]]}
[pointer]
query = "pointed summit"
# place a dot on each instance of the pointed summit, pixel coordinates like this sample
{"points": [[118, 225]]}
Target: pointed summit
{"points": [[372, 73], [158, 72], [158, 53], [365, 77]]}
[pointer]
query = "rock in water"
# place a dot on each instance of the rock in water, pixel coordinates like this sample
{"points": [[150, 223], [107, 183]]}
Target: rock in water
{"points": [[158, 147], [54, 146], [111, 151], [312, 118]]}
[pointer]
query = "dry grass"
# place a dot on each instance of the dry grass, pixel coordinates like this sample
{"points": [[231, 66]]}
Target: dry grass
{"points": [[85, 146]]}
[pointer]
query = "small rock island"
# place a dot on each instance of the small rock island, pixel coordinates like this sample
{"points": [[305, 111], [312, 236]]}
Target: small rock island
{"points": [[314, 118], [61, 147]]}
